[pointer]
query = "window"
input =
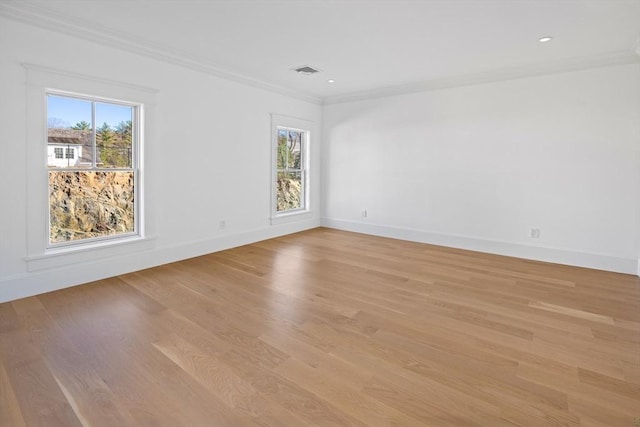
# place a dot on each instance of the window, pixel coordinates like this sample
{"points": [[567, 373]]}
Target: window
{"points": [[86, 103], [290, 183], [290, 177], [94, 195]]}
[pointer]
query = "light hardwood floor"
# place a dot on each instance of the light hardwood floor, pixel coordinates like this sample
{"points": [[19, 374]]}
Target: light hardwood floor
{"points": [[328, 328]]}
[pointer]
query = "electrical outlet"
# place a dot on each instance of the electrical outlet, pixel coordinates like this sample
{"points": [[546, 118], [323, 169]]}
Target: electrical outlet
{"points": [[364, 213], [223, 224], [534, 233]]}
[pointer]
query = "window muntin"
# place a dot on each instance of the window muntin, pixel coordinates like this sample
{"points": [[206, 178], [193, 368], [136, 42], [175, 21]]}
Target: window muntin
{"points": [[59, 153], [290, 169], [92, 192]]}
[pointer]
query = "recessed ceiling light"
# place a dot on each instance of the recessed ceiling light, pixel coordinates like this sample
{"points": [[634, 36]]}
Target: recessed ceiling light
{"points": [[331, 81], [545, 39]]}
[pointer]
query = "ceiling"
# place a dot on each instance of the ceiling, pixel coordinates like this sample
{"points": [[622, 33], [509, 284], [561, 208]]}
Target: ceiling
{"points": [[367, 47]]}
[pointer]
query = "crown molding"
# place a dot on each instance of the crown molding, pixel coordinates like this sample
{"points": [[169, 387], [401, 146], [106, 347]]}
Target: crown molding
{"points": [[42, 17], [571, 64]]}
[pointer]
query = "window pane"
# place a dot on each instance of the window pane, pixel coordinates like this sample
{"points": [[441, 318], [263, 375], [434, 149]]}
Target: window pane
{"points": [[283, 151], [69, 130], [289, 191], [114, 135], [84, 205], [294, 144]]}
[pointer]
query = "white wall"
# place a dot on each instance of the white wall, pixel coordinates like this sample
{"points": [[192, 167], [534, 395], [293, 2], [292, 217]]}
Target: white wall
{"points": [[472, 167], [208, 159], [476, 167]]}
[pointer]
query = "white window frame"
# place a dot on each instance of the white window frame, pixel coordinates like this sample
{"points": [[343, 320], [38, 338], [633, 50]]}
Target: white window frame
{"points": [[306, 127], [42, 81], [137, 109]]}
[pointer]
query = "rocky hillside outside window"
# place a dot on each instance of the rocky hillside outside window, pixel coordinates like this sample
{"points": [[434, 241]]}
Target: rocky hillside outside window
{"points": [[92, 190]]}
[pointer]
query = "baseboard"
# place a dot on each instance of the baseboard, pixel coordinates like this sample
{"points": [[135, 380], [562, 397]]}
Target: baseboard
{"points": [[558, 256], [38, 282], [34, 283]]}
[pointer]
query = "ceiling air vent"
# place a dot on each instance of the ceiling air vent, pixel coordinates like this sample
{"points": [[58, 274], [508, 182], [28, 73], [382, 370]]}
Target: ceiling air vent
{"points": [[306, 70]]}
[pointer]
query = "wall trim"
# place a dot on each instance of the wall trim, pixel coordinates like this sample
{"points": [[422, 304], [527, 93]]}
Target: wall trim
{"points": [[35, 283], [557, 256], [533, 70], [43, 17]]}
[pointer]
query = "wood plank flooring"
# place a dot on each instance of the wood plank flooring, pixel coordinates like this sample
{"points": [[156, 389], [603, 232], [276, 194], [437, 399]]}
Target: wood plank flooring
{"points": [[328, 328]]}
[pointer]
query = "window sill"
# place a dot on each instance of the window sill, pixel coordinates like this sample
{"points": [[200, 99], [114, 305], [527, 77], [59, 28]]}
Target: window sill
{"points": [[288, 217], [58, 257]]}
